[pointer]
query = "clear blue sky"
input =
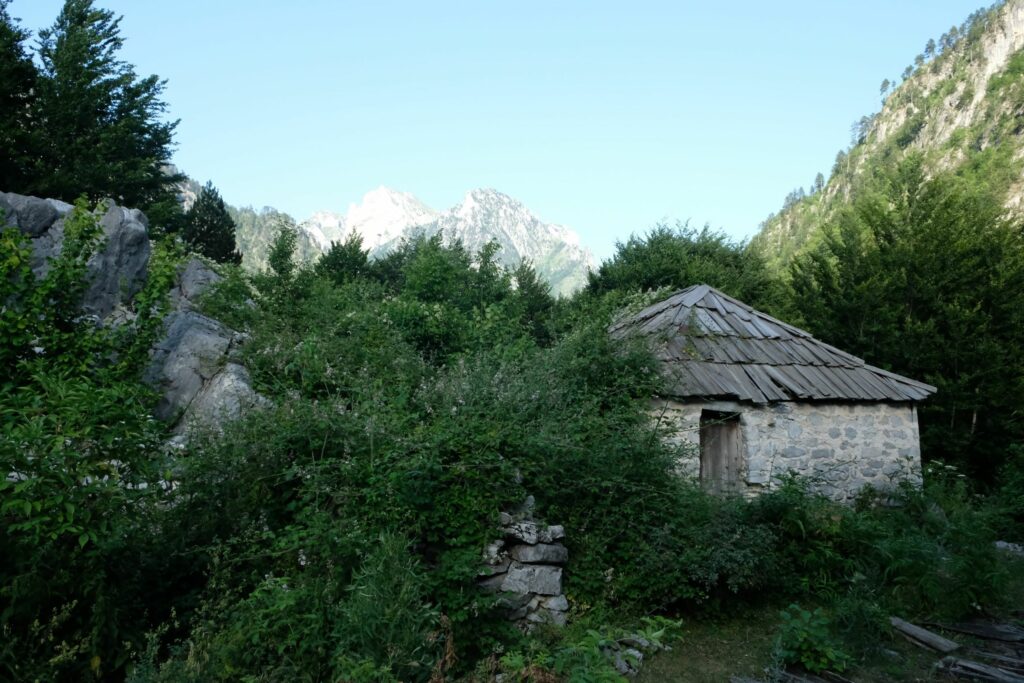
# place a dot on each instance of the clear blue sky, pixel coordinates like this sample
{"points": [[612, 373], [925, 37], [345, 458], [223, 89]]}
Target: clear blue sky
{"points": [[606, 117]]}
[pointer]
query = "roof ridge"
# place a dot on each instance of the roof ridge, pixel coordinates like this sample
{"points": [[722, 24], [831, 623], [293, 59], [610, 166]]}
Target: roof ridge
{"points": [[760, 314]]}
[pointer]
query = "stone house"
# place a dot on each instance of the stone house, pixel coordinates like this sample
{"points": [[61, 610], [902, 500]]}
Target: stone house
{"points": [[750, 398]]}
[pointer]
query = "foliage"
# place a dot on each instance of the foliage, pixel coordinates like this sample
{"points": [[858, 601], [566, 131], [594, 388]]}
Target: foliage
{"points": [[209, 228], [805, 639], [282, 251], [41, 318], [345, 261], [98, 128], [18, 74], [79, 451], [583, 653], [925, 277], [683, 256]]}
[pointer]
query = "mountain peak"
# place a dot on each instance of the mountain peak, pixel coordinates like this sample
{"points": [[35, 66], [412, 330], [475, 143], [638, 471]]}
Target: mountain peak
{"points": [[384, 214]]}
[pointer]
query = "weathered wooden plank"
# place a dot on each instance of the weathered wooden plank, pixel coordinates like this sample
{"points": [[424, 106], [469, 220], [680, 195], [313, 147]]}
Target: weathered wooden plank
{"points": [[854, 377], [706, 322], [923, 637], [749, 390], [735, 334], [694, 295], [1013, 664], [764, 383], [976, 671], [781, 378], [1005, 632], [798, 349], [766, 329], [777, 351], [803, 388]]}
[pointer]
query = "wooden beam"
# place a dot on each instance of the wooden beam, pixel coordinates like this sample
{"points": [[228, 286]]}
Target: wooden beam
{"points": [[923, 637]]}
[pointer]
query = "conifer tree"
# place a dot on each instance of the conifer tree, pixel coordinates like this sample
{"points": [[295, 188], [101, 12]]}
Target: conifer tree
{"points": [[345, 261], [209, 228], [18, 76], [101, 125]]}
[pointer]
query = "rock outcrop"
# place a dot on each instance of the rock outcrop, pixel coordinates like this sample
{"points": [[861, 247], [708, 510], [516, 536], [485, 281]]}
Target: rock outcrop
{"points": [[194, 364], [116, 272]]}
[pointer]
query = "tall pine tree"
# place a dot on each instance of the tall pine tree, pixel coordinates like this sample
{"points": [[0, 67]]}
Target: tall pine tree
{"points": [[209, 228], [104, 133], [18, 76]]}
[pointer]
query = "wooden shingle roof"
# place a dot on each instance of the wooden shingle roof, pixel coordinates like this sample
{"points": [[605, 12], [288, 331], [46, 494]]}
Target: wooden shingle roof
{"points": [[713, 346]]}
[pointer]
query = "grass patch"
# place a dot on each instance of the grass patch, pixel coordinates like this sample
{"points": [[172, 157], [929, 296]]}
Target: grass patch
{"points": [[714, 649]]}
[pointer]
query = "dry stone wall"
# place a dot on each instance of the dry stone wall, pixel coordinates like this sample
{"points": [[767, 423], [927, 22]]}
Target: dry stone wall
{"points": [[841, 447], [525, 567]]}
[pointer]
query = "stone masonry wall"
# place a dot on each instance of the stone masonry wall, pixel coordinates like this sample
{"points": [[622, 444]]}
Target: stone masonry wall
{"points": [[839, 446]]}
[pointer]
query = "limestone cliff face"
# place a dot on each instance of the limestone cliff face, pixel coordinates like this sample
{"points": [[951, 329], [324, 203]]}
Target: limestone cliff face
{"points": [[964, 106], [194, 364]]}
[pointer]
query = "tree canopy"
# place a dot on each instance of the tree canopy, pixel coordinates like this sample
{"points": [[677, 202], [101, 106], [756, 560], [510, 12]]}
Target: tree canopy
{"points": [[18, 75], [925, 277], [209, 228], [682, 256], [84, 123]]}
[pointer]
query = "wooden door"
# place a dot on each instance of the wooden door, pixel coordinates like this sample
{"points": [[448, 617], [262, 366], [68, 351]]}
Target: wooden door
{"points": [[721, 451]]}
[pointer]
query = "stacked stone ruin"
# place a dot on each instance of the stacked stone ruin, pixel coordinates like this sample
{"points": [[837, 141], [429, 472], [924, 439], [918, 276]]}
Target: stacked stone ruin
{"points": [[525, 567]]}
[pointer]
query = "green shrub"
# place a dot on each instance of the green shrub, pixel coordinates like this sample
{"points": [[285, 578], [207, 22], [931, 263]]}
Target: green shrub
{"points": [[806, 639], [81, 487]]}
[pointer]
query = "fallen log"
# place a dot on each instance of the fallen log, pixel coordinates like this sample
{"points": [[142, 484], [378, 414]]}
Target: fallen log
{"points": [[923, 637], [976, 671], [1013, 664], [1008, 633]]}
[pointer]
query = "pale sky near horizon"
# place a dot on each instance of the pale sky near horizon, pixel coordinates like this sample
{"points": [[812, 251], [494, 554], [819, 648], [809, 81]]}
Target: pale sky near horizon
{"points": [[605, 117]]}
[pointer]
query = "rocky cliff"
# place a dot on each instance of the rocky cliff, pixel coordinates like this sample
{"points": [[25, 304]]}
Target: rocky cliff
{"points": [[193, 364], [961, 107]]}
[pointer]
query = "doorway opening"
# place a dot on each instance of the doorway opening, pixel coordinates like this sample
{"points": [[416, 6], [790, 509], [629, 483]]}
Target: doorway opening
{"points": [[721, 452]]}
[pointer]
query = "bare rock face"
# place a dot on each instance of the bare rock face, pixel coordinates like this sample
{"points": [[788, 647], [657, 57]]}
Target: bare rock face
{"points": [[533, 578], [32, 215], [192, 366], [545, 553], [116, 272]]}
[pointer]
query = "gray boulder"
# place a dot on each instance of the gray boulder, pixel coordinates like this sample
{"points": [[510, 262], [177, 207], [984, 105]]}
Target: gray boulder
{"points": [[542, 553], [225, 397], [194, 365], [190, 367], [193, 280], [533, 578], [32, 215], [115, 273], [190, 354], [525, 531]]}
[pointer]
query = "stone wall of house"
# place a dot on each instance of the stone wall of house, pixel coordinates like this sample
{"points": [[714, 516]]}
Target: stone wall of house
{"points": [[839, 446]]}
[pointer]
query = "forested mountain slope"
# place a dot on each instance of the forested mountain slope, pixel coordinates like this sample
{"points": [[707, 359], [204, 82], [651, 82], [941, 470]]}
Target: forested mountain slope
{"points": [[960, 106]]}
